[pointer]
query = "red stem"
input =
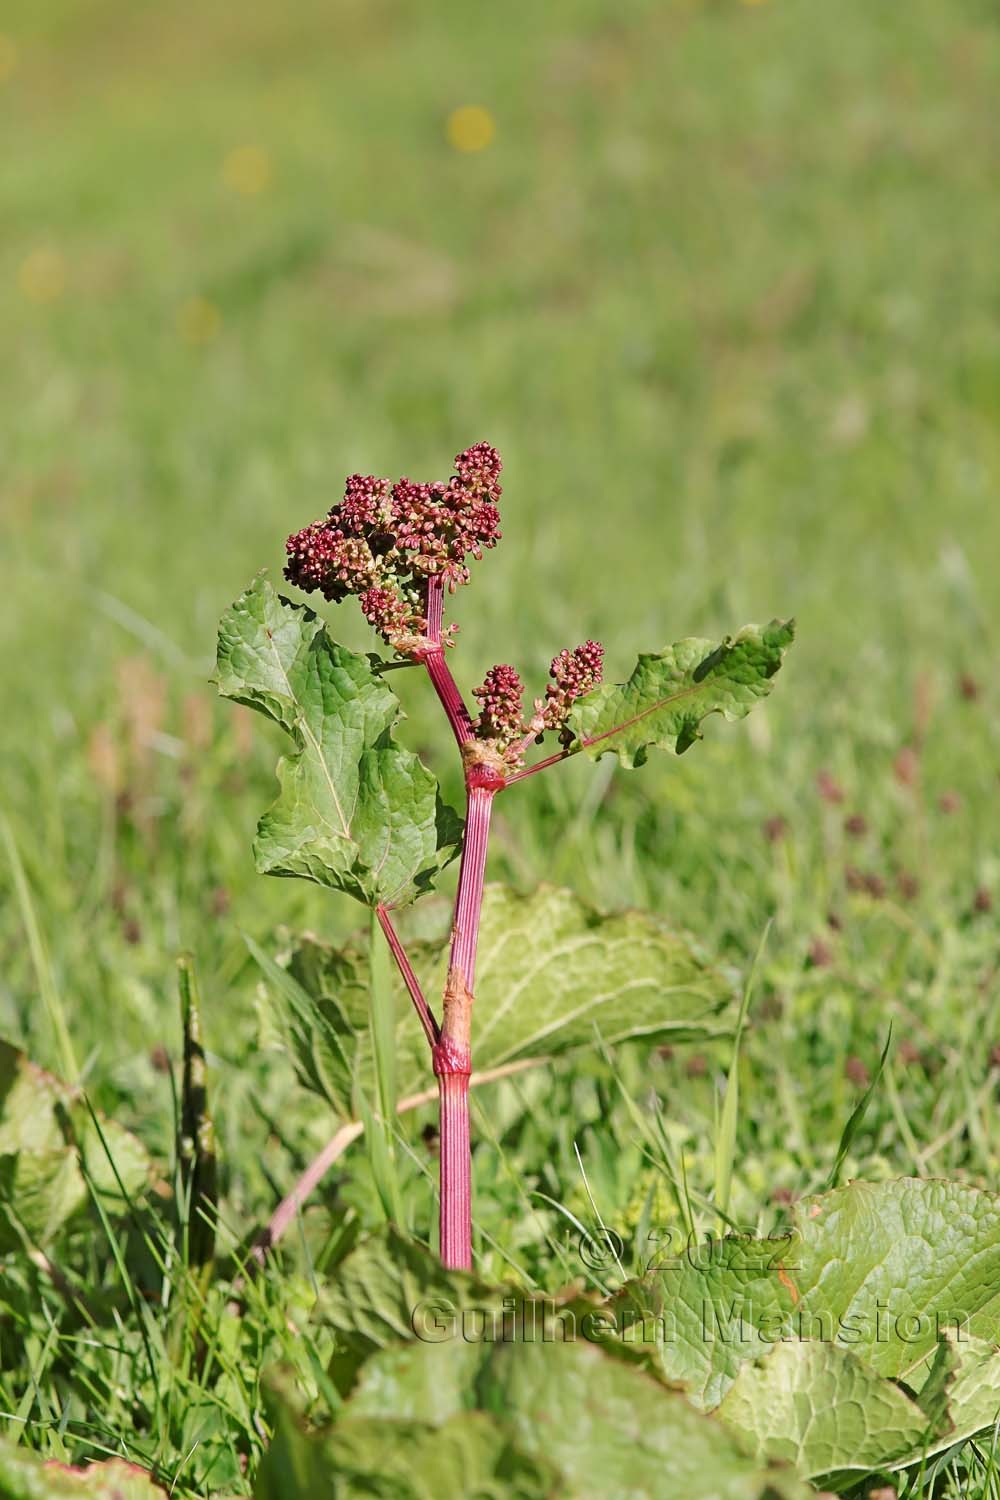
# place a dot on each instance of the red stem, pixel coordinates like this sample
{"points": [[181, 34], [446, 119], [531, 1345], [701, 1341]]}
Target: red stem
{"points": [[455, 1236], [542, 765], [433, 657], [451, 1042], [471, 876], [453, 1053], [432, 1030], [446, 687]]}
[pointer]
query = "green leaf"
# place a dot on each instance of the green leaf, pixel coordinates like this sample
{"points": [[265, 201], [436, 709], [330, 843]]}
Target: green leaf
{"points": [[355, 812], [391, 1459], [24, 1476], [611, 1430], [390, 1289], [962, 1394], [670, 692], [708, 1309], [885, 1269], [608, 1429], [822, 1408], [48, 1139], [538, 1365], [889, 1268], [551, 970]]}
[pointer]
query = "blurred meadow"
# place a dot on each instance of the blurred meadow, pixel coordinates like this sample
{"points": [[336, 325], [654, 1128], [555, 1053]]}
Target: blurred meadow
{"points": [[719, 279]]}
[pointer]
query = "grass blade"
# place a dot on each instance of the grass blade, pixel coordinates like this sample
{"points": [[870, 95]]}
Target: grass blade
{"points": [[857, 1115], [725, 1138]]}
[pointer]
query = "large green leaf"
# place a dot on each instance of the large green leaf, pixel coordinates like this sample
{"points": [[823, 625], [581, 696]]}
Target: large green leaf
{"points": [[608, 1429], [48, 1141], [824, 1409], [421, 1349], [390, 1288], [711, 1307], [393, 1459], [611, 1430], [670, 692], [355, 812], [888, 1268], [24, 1476], [885, 1269], [552, 972]]}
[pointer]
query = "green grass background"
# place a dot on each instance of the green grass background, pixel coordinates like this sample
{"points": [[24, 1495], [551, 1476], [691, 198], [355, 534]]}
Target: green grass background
{"points": [[723, 289]]}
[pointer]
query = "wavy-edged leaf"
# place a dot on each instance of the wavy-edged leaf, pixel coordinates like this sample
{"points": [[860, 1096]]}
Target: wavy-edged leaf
{"points": [[390, 1289], [885, 1269], [356, 812], [48, 1137], [24, 1476], [612, 1430], [824, 1409], [423, 1346], [889, 1268], [607, 1428], [670, 693], [551, 970], [707, 1310], [393, 1459]]}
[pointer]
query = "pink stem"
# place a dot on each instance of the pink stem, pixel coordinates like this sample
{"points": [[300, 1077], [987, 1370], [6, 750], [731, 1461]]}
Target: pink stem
{"points": [[541, 765], [471, 876], [455, 1240], [446, 688], [432, 1030], [433, 657], [451, 1049], [453, 1054]]}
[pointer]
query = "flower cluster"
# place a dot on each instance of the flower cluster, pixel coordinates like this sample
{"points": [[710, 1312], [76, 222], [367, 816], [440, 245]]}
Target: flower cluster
{"points": [[383, 541], [501, 722], [573, 673], [501, 701]]}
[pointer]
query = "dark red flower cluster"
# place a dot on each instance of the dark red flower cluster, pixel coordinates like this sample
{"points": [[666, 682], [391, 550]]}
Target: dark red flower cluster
{"points": [[573, 673], [501, 697], [383, 541]]}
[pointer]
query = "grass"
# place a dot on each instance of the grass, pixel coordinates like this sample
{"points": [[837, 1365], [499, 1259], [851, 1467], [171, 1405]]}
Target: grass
{"points": [[723, 291]]}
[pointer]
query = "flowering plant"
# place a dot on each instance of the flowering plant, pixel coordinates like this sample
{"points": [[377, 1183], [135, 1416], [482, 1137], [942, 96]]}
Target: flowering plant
{"points": [[359, 813]]}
